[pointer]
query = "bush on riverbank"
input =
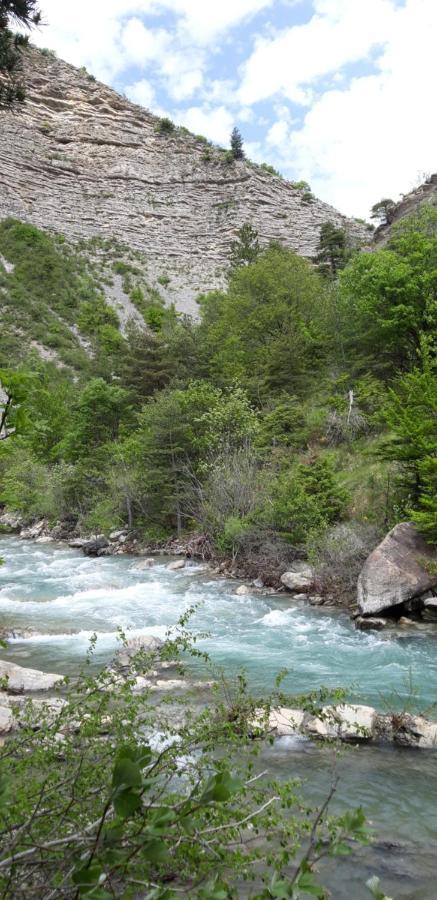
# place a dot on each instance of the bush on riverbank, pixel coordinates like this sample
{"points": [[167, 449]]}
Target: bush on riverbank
{"points": [[115, 795]]}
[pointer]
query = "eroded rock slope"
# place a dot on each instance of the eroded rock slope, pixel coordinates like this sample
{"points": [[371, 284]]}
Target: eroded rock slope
{"points": [[84, 161]]}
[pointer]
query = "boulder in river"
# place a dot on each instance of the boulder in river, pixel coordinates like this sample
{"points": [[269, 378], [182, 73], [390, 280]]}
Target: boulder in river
{"points": [[367, 623], [398, 570], [177, 564], [95, 546], [23, 681], [147, 643], [299, 579]]}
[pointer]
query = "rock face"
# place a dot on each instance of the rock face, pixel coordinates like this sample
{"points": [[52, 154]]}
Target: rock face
{"points": [[396, 571], [20, 680], [410, 204], [84, 161]]}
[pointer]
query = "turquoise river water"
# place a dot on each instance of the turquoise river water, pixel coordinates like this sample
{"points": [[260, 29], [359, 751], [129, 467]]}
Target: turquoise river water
{"points": [[65, 597]]}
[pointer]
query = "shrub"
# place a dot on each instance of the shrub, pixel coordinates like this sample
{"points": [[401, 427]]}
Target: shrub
{"points": [[164, 280], [115, 796], [338, 556], [307, 498], [165, 126], [270, 170]]}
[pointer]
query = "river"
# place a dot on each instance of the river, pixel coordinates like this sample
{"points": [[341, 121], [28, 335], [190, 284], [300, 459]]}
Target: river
{"points": [[65, 598]]}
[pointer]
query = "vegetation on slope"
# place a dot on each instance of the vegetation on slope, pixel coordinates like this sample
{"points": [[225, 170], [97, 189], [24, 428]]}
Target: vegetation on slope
{"points": [[304, 400]]}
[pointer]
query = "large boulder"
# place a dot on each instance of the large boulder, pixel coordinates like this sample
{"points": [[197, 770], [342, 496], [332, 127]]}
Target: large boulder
{"points": [[398, 570], [299, 578], [95, 546], [22, 681]]}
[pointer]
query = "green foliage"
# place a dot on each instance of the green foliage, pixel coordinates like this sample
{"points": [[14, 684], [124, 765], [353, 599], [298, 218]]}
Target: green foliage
{"points": [[44, 295], [104, 812], [301, 186], [245, 249], [25, 14], [332, 250], [387, 298], [265, 330], [306, 499], [270, 170], [383, 211], [166, 126], [237, 144], [411, 414]]}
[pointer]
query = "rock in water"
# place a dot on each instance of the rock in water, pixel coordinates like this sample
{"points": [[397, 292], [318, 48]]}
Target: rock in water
{"points": [[396, 571], [147, 643], [177, 564], [20, 680], [95, 546]]}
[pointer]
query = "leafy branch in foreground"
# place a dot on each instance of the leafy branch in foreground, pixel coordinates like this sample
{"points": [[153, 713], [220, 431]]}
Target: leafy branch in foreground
{"points": [[112, 794]]}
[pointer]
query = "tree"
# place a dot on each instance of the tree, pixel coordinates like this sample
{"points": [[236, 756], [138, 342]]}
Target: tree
{"points": [[332, 250], [265, 332], [388, 299], [383, 211], [245, 249], [99, 411], [411, 414], [237, 144], [14, 387], [26, 14]]}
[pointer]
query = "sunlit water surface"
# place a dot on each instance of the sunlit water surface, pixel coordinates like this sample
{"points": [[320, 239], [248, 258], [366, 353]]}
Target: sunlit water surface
{"points": [[65, 597]]}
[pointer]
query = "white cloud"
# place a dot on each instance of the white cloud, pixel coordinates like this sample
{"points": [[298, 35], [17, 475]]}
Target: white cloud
{"points": [[340, 32], [141, 92], [376, 136], [141, 45], [216, 124]]}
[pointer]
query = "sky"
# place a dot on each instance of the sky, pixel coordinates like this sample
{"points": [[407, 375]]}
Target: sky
{"points": [[340, 93]]}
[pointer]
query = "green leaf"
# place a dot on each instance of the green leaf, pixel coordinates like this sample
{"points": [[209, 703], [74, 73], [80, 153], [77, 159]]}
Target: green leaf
{"points": [[87, 878], [220, 787], [126, 774], [126, 802]]}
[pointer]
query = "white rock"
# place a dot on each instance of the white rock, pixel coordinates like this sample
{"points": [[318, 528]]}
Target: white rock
{"points": [[299, 579], [286, 721], [242, 590], [145, 563], [355, 722], [398, 570], [6, 719], [258, 583], [21, 680], [415, 731], [177, 564], [44, 539], [347, 722], [117, 535]]}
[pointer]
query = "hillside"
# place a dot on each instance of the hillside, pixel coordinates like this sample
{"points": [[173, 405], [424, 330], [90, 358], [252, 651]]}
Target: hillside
{"points": [[82, 160]]}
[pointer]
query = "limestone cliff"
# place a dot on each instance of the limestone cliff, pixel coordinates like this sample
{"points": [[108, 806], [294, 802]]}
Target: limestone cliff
{"points": [[84, 161]]}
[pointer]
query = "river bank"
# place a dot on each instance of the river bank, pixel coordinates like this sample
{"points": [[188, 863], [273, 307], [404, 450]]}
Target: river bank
{"points": [[64, 597]]}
